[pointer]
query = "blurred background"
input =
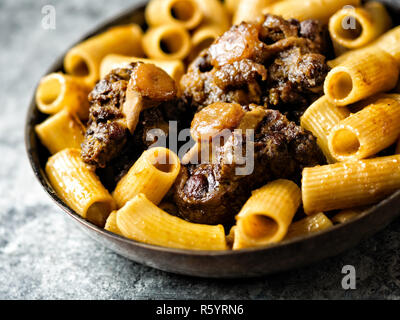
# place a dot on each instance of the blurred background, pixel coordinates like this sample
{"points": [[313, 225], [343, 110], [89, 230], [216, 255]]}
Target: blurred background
{"points": [[42, 253]]}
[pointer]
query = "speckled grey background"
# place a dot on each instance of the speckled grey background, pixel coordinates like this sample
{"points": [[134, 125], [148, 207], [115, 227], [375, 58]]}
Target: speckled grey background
{"points": [[44, 256]]}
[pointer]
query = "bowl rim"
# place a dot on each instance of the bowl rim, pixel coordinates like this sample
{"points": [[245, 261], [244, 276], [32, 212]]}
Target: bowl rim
{"points": [[38, 171]]}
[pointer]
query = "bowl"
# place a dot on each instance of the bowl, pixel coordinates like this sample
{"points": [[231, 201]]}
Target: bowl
{"points": [[279, 257]]}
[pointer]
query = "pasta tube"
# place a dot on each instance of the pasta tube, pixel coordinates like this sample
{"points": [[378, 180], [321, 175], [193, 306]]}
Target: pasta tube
{"points": [[349, 184], [308, 225], [142, 220], [249, 10], [203, 38], [371, 21], [153, 174], [78, 186], [231, 5], [185, 13], [175, 68], [266, 216], [58, 91], [320, 118], [309, 9], [214, 14], [111, 224], [84, 59], [60, 131], [366, 132], [390, 43], [169, 42], [347, 215], [367, 73]]}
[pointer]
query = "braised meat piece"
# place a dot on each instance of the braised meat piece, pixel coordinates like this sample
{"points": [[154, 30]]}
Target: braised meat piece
{"points": [[125, 105], [213, 192], [277, 63]]}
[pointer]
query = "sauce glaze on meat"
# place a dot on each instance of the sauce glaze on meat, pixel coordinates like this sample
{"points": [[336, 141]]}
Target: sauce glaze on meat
{"points": [[272, 62]]}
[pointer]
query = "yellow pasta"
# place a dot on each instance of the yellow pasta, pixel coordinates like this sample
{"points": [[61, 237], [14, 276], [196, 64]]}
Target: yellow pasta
{"points": [[142, 220], [230, 238], [203, 38], [367, 73], [152, 174], [214, 14], [390, 43], [111, 224], [60, 131], [266, 216], [309, 225], [370, 22], [84, 59], [185, 13], [175, 68], [250, 10], [366, 132], [231, 5], [167, 42], [58, 91], [320, 118], [347, 215], [78, 186], [349, 184], [309, 9]]}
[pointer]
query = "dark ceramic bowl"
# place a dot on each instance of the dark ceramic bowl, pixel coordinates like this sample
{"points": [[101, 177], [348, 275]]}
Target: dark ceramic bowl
{"points": [[227, 264]]}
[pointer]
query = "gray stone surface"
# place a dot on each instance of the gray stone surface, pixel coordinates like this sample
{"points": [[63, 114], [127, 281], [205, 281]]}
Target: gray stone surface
{"points": [[44, 256]]}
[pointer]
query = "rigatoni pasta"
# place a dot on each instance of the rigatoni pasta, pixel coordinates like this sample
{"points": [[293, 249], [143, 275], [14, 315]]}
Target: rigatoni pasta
{"points": [[366, 132], [390, 43], [367, 73], [347, 215], [58, 91], [308, 225], [84, 59], [369, 22], [320, 118], [231, 5], [175, 68], [249, 10], [141, 220], [349, 184], [186, 13], [167, 42], [111, 224], [214, 14], [152, 174], [79, 187], [60, 131], [309, 9], [266, 216]]}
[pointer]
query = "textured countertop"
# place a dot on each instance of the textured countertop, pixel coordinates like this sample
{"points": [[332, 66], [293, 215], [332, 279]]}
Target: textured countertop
{"points": [[42, 253]]}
